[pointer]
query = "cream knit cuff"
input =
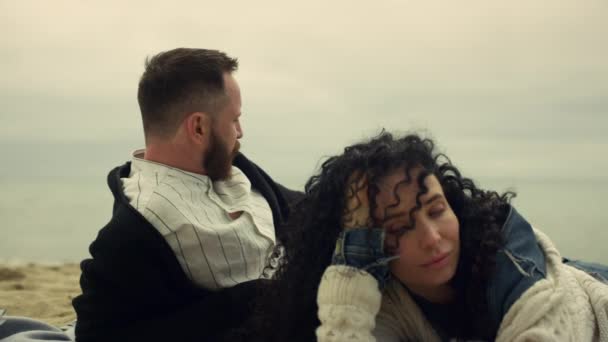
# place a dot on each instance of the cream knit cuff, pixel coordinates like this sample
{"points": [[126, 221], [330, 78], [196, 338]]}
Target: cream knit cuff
{"points": [[345, 285]]}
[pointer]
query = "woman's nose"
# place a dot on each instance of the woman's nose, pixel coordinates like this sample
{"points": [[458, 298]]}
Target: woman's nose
{"points": [[428, 234]]}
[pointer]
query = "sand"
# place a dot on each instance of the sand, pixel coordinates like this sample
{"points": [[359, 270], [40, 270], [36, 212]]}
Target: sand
{"points": [[43, 292]]}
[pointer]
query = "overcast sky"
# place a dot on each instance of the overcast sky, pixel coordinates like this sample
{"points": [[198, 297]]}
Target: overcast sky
{"points": [[508, 88]]}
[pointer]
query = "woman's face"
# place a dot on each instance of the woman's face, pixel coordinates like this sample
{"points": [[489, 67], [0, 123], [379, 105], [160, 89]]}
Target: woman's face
{"points": [[429, 251]]}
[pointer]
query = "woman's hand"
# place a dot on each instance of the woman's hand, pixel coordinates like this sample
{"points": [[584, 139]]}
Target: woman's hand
{"points": [[359, 245], [356, 209]]}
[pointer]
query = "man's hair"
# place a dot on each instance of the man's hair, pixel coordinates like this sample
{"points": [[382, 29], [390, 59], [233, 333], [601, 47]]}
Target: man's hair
{"points": [[178, 82]]}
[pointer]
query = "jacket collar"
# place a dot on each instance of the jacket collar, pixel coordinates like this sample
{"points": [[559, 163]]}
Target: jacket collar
{"points": [[258, 178]]}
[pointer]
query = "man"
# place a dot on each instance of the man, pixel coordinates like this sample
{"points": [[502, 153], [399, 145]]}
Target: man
{"points": [[194, 221]]}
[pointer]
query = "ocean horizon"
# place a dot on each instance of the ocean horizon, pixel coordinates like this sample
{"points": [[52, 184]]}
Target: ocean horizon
{"points": [[52, 209]]}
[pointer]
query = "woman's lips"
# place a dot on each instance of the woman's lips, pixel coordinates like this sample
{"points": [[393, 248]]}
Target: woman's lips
{"points": [[438, 261]]}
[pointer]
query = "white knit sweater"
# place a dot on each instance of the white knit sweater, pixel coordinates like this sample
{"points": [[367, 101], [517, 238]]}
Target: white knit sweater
{"points": [[568, 305]]}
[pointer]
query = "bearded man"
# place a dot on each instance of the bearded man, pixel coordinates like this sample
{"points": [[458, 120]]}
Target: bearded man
{"points": [[194, 221]]}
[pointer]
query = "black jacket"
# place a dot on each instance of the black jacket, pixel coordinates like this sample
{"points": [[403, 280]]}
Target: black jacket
{"points": [[134, 289]]}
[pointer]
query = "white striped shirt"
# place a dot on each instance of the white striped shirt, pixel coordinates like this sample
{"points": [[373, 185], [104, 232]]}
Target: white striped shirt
{"points": [[192, 214]]}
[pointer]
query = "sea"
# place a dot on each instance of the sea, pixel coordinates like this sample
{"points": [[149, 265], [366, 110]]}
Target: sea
{"points": [[54, 200]]}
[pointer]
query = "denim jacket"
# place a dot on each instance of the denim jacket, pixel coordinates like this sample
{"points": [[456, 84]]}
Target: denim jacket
{"points": [[363, 248], [519, 264]]}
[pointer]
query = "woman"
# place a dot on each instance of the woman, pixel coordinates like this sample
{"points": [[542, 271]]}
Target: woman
{"points": [[397, 245]]}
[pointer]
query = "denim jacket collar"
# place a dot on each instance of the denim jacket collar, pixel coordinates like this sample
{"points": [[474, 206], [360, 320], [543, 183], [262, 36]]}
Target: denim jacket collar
{"points": [[519, 264]]}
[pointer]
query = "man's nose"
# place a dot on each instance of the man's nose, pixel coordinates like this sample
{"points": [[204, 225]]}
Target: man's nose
{"points": [[239, 131]]}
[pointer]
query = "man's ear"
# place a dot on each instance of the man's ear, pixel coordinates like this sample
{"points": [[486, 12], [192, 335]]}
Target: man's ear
{"points": [[197, 126]]}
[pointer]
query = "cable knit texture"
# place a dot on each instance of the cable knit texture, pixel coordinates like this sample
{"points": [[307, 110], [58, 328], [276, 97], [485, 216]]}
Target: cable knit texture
{"points": [[349, 300], [568, 305]]}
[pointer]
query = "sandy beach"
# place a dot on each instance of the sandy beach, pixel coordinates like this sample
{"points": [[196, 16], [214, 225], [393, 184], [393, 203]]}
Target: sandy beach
{"points": [[39, 291]]}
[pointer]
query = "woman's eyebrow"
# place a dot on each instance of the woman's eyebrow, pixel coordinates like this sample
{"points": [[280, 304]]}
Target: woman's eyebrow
{"points": [[388, 217], [432, 199]]}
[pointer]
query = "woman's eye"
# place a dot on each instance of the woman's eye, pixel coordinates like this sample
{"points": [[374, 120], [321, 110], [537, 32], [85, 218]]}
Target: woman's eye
{"points": [[436, 212]]}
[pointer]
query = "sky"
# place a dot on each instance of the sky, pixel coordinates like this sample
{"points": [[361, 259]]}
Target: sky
{"points": [[515, 92], [509, 89]]}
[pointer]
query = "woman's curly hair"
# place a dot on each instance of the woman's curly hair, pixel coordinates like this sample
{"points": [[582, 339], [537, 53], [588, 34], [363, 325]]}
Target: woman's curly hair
{"points": [[288, 310]]}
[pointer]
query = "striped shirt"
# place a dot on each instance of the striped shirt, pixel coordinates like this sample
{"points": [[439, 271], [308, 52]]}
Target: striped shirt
{"points": [[193, 215]]}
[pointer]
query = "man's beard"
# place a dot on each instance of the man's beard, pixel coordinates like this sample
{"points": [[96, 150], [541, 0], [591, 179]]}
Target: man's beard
{"points": [[218, 161]]}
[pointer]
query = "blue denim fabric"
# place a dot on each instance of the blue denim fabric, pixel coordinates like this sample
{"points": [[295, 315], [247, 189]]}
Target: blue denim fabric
{"points": [[519, 265], [598, 271], [363, 248]]}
